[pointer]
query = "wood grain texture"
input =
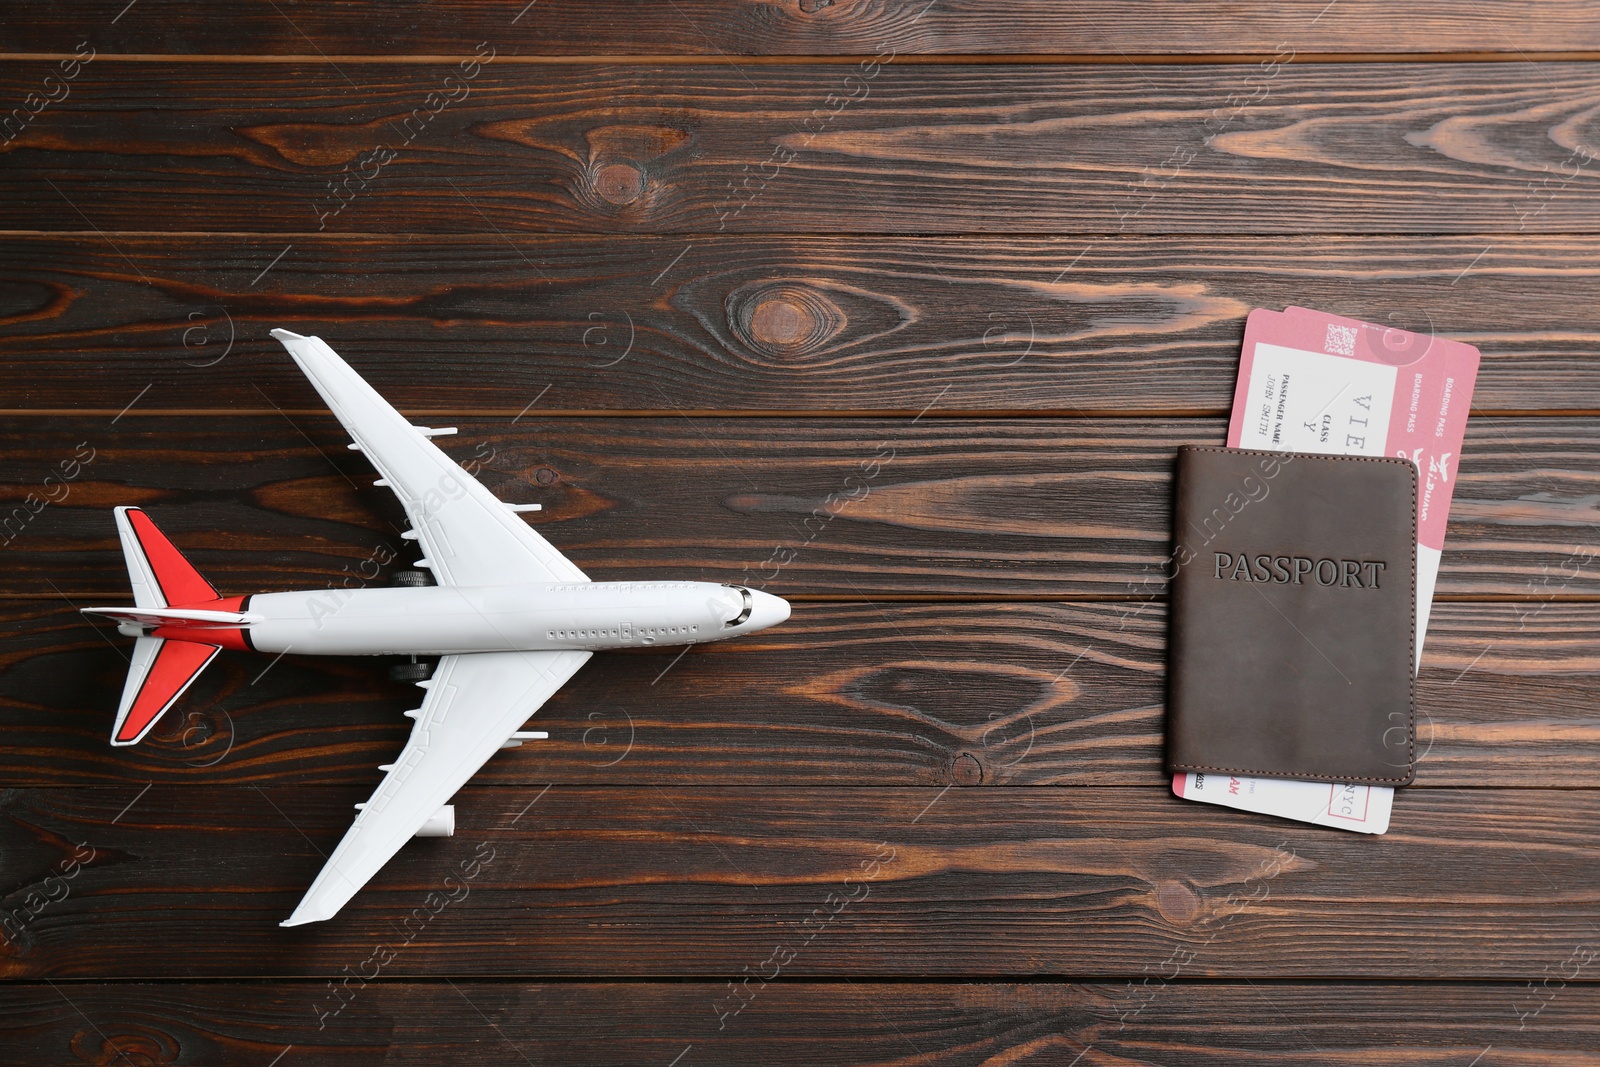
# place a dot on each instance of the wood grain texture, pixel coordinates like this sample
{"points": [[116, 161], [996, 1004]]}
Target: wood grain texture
{"points": [[789, 1024], [841, 695], [1048, 256], [1480, 883], [809, 27], [853, 508], [760, 323], [1441, 148]]}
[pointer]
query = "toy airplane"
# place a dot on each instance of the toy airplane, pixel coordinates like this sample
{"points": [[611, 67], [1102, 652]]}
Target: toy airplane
{"points": [[511, 617]]}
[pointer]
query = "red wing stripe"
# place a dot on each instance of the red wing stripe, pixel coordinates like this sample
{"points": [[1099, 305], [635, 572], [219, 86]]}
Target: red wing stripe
{"points": [[180, 583], [176, 665]]}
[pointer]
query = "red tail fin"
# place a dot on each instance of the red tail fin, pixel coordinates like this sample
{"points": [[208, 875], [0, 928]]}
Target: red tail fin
{"points": [[176, 580], [160, 672]]}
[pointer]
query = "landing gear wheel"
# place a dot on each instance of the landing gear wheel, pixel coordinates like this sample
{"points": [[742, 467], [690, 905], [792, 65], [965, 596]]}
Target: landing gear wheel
{"points": [[411, 578], [415, 671]]}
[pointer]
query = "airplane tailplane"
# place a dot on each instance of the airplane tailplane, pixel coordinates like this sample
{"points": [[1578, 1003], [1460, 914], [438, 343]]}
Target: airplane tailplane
{"points": [[191, 623], [157, 676]]}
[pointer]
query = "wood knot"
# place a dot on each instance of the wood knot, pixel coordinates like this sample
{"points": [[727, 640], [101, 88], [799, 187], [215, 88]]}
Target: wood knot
{"points": [[140, 1048], [1177, 903], [965, 769], [618, 183], [784, 320]]}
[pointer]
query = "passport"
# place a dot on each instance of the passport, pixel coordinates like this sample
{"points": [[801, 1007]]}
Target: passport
{"points": [[1292, 629]]}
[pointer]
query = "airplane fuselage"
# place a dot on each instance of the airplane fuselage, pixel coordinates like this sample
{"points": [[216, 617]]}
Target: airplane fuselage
{"points": [[450, 620]]}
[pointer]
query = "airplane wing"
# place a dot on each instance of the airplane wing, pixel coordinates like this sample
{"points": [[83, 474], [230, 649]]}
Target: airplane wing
{"points": [[475, 702], [468, 535]]}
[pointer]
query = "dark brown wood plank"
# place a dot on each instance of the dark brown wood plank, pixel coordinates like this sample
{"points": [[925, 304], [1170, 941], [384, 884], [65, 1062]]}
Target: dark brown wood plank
{"points": [[714, 28], [853, 508], [1065, 325], [1182, 1023], [704, 881], [841, 695], [1443, 148]]}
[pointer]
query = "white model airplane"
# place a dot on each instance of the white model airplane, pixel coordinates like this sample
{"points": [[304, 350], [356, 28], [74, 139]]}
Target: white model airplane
{"points": [[511, 617]]}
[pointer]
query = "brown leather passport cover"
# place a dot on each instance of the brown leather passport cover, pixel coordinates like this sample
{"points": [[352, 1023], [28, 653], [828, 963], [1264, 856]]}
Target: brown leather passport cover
{"points": [[1292, 630]]}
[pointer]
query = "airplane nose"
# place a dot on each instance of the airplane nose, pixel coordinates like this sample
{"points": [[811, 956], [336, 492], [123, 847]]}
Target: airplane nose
{"points": [[768, 610]]}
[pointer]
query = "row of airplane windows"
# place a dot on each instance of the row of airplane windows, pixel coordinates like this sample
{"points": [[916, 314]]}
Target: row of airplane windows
{"points": [[641, 631]]}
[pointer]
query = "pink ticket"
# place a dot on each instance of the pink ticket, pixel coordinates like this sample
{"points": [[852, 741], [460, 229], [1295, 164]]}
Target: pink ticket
{"points": [[1313, 382]]}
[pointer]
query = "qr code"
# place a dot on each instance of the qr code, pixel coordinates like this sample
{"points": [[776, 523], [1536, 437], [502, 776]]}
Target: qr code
{"points": [[1341, 340]]}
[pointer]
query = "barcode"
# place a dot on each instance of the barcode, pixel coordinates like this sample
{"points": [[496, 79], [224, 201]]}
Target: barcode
{"points": [[1341, 340]]}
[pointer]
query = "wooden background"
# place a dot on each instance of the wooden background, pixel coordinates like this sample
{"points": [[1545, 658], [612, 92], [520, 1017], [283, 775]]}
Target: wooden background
{"points": [[677, 270]]}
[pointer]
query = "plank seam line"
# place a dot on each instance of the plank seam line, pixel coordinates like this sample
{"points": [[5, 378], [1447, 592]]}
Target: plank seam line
{"points": [[355, 786], [996, 599], [835, 414], [925, 59], [1064, 237], [839, 979]]}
